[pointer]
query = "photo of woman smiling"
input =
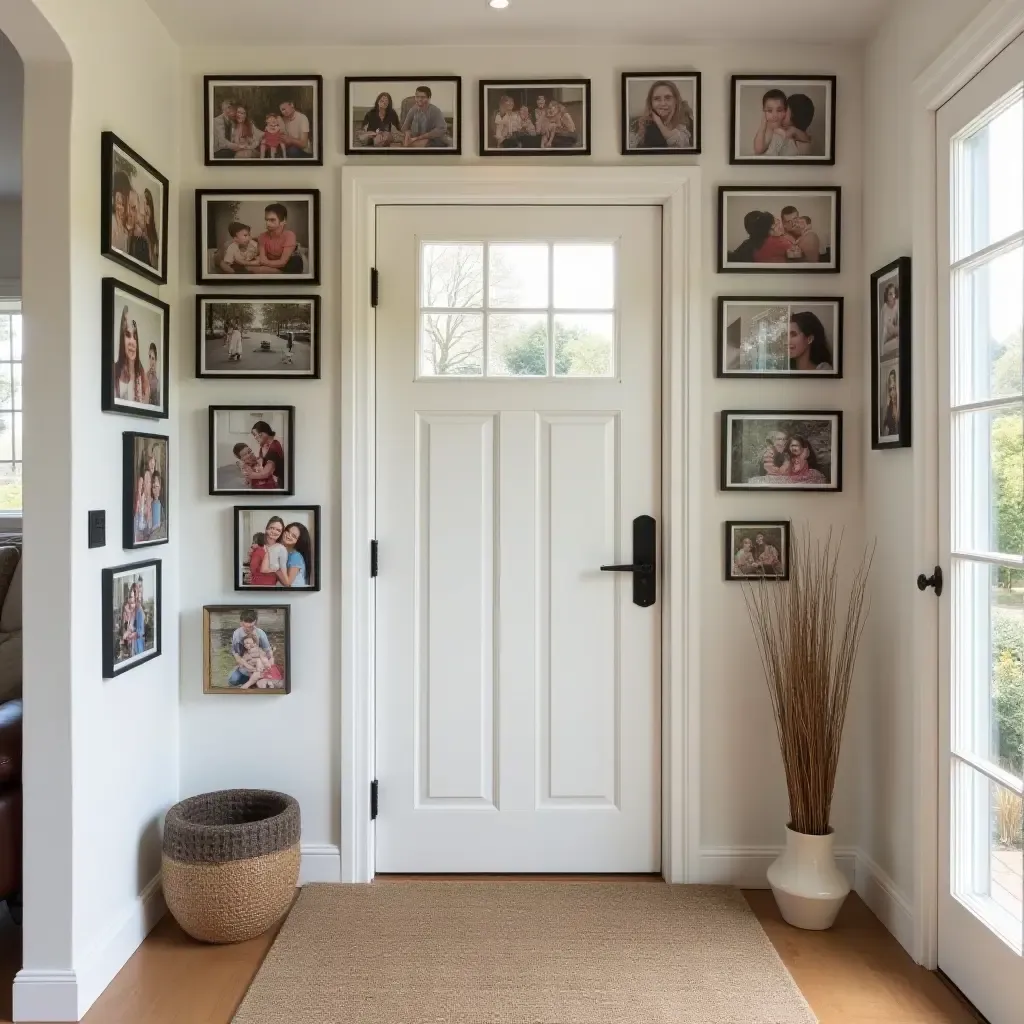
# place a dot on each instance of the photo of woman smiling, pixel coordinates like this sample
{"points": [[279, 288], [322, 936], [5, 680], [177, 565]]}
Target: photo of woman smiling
{"points": [[661, 113], [276, 548], [136, 336]]}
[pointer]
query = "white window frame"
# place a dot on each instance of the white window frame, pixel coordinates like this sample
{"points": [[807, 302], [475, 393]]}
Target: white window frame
{"points": [[998, 25], [10, 521], [685, 367]]}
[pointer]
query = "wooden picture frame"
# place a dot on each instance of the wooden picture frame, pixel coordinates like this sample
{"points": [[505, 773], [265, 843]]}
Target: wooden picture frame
{"points": [[891, 414], [276, 620]]}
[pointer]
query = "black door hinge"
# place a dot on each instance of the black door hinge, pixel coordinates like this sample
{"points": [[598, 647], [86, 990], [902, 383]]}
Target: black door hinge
{"points": [[373, 286], [373, 800], [373, 558]]}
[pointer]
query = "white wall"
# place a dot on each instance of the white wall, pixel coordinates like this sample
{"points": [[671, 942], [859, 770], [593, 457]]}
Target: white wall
{"points": [[913, 35], [101, 759], [292, 742]]}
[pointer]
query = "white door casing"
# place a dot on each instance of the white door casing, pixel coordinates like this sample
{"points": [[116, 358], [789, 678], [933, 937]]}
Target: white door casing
{"points": [[517, 686]]}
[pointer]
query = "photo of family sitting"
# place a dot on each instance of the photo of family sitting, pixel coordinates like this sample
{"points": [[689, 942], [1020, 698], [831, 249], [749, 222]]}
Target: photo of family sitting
{"points": [[406, 115], [775, 338], [263, 338], [783, 120], [252, 238], [758, 549], [775, 230], [277, 547], [253, 119], [534, 117], [136, 339], [251, 450], [131, 613], [135, 204], [246, 650], [661, 113], [767, 450], [146, 496]]}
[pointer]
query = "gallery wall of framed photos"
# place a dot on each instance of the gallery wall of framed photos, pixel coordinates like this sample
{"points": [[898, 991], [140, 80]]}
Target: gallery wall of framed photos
{"points": [[476, 112]]}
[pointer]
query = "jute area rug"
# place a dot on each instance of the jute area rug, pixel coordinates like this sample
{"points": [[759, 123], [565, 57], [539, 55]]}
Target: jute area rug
{"points": [[522, 953]]}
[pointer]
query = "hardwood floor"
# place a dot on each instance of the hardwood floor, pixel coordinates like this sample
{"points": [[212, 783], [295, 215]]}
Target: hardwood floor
{"points": [[854, 974]]}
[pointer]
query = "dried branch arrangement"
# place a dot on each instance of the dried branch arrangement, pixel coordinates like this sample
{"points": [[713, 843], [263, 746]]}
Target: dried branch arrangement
{"points": [[808, 662]]}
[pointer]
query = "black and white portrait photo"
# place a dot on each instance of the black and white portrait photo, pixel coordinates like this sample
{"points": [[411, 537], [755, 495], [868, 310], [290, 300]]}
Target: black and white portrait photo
{"points": [[535, 117], [403, 114], [756, 550], [252, 449], [783, 119], [776, 229], [136, 350], [890, 355], [775, 336], [796, 451], [258, 338], [277, 118], [134, 202], [661, 112], [255, 237]]}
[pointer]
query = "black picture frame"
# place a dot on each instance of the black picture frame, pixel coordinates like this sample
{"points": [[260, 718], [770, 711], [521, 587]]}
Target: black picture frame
{"points": [[755, 526], [833, 486], [316, 120], [203, 371], [547, 84], [624, 120], [898, 362], [282, 511], [114, 293], [289, 455], [108, 143], [454, 150], [832, 266], [266, 196], [130, 477], [110, 662], [763, 83], [725, 302], [236, 609]]}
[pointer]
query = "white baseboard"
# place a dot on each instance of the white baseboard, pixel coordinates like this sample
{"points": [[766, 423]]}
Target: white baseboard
{"points": [[321, 862], [45, 996], [886, 901], [747, 866]]}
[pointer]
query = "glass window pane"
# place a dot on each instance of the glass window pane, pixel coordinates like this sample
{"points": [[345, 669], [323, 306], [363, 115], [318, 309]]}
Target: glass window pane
{"points": [[16, 335], [6, 386], [17, 436], [10, 488], [990, 317], [5, 336], [6, 438], [517, 344], [453, 275], [988, 490], [991, 170], [584, 344], [988, 664], [451, 344], [987, 859], [585, 276], [517, 275], [17, 385]]}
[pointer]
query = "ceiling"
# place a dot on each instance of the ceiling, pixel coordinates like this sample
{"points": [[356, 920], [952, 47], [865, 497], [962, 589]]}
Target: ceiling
{"points": [[561, 22], [11, 76]]}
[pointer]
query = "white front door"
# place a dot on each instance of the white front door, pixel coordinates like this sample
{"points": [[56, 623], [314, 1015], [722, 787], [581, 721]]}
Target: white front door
{"points": [[981, 406], [518, 360]]}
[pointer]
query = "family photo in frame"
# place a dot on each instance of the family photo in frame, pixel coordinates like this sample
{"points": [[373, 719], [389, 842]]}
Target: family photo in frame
{"points": [[661, 112], [535, 117], [131, 616], [403, 114], [252, 449], [783, 119], [756, 550], [134, 202], [890, 356], [247, 649], [277, 547], [277, 118], [146, 497]]}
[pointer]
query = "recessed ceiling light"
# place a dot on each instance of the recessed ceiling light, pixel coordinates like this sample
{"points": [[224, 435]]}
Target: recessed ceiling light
{"points": [[497, 4]]}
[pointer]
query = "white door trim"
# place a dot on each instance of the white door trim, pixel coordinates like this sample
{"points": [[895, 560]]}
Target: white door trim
{"points": [[983, 39], [678, 191]]}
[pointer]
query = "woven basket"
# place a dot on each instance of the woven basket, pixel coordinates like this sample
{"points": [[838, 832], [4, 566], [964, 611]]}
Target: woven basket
{"points": [[231, 862]]}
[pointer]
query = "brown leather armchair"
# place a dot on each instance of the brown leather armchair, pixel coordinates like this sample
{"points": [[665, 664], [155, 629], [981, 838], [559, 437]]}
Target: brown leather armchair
{"points": [[10, 805]]}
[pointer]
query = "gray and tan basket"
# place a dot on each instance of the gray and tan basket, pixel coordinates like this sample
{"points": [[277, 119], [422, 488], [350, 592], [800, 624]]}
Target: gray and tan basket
{"points": [[231, 862]]}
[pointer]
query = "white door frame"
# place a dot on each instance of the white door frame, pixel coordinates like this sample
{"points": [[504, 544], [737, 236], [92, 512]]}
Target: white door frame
{"points": [[979, 43], [678, 191]]}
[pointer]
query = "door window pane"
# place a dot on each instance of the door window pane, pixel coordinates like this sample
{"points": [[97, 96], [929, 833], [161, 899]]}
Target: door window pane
{"points": [[991, 181], [585, 276], [990, 313], [518, 344], [518, 275], [584, 343], [988, 489], [453, 275], [451, 344]]}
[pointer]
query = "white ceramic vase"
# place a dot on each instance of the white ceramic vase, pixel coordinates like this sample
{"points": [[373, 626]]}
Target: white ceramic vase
{"points": [[808, 886]]}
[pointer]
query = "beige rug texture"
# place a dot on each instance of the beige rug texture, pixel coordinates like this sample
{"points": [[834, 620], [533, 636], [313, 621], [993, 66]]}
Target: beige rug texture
{"points": [[522, 953]]}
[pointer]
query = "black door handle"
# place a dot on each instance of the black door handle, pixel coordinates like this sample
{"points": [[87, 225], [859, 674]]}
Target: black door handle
{"points": [[935, 580], [645, 587]]}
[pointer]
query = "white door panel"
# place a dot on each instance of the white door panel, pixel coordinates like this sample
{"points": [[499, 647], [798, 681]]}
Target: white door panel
{"points": [[518, 686]]}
